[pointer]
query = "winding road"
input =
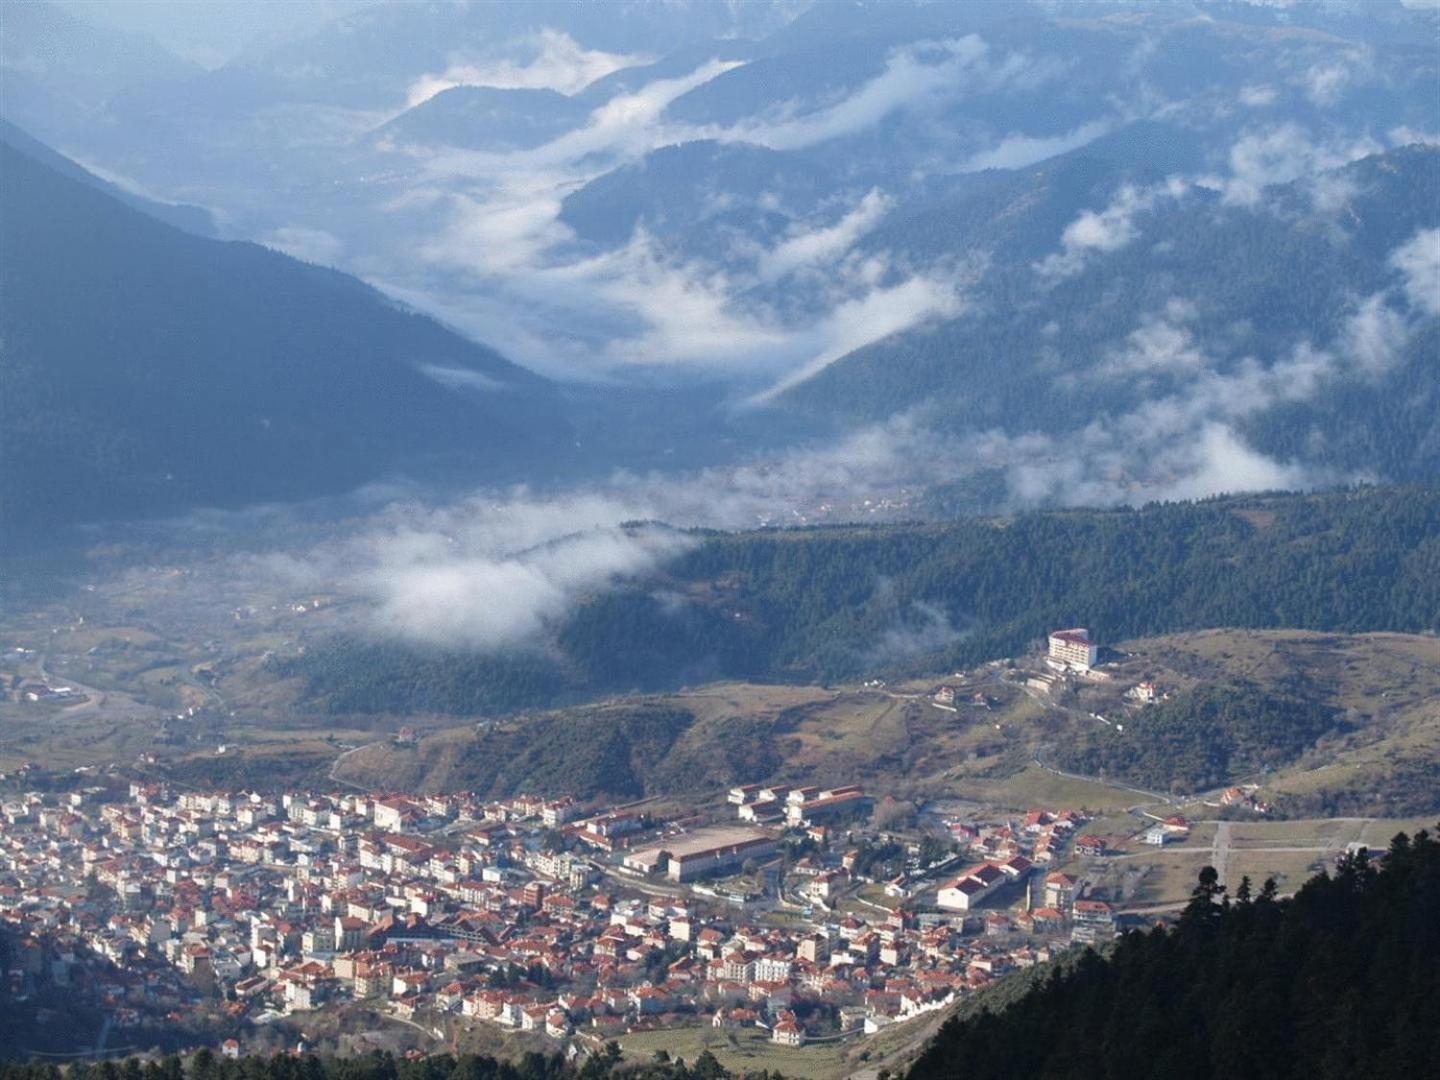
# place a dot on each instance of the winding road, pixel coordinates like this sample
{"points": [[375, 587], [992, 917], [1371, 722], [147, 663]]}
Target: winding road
{"points": [[335, 765]]}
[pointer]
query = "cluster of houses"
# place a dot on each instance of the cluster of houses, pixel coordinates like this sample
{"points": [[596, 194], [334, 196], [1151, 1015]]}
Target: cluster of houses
{"points": [[447, 904], [1013, 857], [19, 688]]}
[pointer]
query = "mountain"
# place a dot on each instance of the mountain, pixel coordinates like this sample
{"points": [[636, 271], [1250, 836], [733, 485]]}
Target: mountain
{"points": [[148, 370], [1331, 982], [1320, 714], [193, 219], [487, 118], [1193, 299], [59, 71], [689, 189], [1164, 243], [372, 58]]}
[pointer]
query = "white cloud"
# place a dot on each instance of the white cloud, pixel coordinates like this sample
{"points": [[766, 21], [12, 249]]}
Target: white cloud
{"points": [[1161, 344], [1186, 444], [577, 314], [1331, 192], [685, 311], [1374, 335], [486, 598], [882, 311], [504, 208], [1281, 154], [1405, 135], [557, 62], [915, 78], [1258, 95], [1325, 84], [504, 230], [626, 126], [644, 305], [461, 378], [1018, 151], [1219, 462], [1106, 230], [1418, 261], [925, 628], [312, 245], [912, 76], [807, 248]]}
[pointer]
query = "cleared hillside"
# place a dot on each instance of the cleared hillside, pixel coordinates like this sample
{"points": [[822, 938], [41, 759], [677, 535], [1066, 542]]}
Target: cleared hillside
{"points": [[1354, 716]]}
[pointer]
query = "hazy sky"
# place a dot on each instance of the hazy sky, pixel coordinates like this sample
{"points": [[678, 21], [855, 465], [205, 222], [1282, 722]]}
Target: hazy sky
{"points": [[211, 32]]}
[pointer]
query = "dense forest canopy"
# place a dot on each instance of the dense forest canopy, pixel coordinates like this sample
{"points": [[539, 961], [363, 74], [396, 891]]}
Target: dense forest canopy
{"points": [[839, 603]]}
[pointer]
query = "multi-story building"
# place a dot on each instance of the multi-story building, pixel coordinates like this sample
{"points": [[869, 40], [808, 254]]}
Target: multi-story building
{"points": [[1073, 648], [1092, 922], [1059, 891]]}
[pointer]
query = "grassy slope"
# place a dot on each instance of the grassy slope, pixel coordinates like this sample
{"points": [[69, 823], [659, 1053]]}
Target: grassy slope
{"points": [[895, 740]]}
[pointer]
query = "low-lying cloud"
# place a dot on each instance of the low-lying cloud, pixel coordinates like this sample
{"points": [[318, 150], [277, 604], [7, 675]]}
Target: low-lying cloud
{"points": [[802, 248], [1018, 150], [1281, 154], [1106, 230], [556, 62], [1418, 261], [481, 596]]}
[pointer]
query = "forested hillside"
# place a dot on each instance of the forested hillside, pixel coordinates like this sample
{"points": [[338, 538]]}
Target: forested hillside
{"points": [[149, 370], [836, 603], [617, 750], [190, 218], [1192, 297], [1201, 739], [1338, 981]]}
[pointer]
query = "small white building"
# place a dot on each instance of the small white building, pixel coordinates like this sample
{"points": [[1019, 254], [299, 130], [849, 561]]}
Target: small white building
{"points": [[788, 1033]]}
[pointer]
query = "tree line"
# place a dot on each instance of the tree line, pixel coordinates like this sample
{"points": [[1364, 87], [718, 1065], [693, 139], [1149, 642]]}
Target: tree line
{"points": [[843, 602]]}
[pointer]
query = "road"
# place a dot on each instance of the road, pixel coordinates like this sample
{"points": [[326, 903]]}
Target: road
{"points": [[1220, 850], [335, 765], [117, 704], [1154, 796], [104, 1036], [435, 1034]]}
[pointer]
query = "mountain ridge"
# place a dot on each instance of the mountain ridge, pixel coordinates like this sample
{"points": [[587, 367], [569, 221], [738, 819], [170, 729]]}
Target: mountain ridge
{"points": [[210, 372]]}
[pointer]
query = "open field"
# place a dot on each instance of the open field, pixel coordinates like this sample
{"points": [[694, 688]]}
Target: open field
{"points": [[895, 741], [1034, 786], [1386, 759], [122, 643], [1289, 851], [746, 1050]]}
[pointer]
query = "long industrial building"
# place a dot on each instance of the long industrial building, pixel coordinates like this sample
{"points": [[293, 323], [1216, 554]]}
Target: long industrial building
{"points": [[702, 853]]}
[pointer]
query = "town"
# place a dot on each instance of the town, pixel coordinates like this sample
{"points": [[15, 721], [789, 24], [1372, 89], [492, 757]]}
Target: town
{"points": [[531, 914], [803, 917]]}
